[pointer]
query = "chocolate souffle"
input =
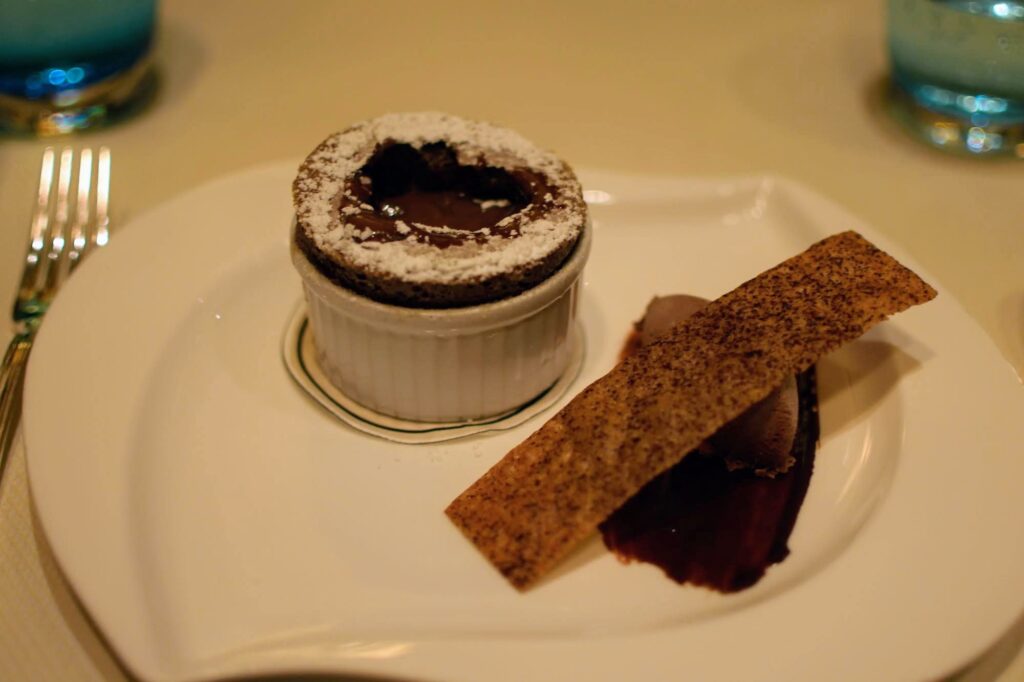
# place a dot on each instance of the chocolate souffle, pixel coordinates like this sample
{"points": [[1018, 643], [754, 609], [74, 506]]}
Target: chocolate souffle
{"points": [[428, 210]]}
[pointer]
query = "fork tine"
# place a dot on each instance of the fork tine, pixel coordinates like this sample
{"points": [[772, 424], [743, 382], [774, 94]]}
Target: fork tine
{"points": [[77, 237], [40, 223], [52, 267], [103, 197]]}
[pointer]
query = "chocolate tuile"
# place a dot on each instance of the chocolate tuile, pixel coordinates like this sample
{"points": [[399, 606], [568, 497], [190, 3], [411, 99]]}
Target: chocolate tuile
{"points": [[550, 492]]}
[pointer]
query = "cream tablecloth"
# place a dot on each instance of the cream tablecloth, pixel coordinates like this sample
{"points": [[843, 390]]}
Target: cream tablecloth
{"points": [[695, 88]]}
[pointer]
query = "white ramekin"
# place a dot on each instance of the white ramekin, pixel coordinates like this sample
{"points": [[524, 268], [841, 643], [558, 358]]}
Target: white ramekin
{"points": [[444, 365]]}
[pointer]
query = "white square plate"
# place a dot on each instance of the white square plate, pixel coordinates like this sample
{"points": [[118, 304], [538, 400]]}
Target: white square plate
{"points": [[215, 520]]}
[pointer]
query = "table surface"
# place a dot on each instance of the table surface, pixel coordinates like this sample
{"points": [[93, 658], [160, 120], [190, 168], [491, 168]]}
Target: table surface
{"points": [[684, 88]]}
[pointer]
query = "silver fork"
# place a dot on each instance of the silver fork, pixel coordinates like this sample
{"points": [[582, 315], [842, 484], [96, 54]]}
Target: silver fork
{"points": [[70, 220]]}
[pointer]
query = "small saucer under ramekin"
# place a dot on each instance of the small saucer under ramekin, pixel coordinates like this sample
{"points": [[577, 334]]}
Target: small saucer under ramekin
{"points": [[444, 365]]}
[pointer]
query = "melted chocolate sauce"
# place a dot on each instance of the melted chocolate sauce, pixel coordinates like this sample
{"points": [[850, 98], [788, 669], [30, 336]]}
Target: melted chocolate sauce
{"points": [[402, 188], [705, 525], [449, 208]]}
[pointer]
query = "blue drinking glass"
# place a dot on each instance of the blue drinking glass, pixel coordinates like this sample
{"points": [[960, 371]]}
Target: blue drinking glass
{"points": [[958, 73], [71, 64]]}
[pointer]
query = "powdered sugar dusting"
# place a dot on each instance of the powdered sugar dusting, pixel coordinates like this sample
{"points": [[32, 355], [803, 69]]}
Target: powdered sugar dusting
{"points": [[318, 190]]}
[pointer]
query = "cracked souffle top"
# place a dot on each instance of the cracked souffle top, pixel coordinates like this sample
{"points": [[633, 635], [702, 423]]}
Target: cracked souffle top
{"points": [[429, 210]]}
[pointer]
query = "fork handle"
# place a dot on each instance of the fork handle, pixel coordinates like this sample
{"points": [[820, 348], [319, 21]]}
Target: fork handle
{"points": [[12, 380]]}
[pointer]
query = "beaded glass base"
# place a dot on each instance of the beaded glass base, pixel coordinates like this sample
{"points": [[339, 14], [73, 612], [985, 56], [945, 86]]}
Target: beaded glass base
{"points": [[97, 104]]}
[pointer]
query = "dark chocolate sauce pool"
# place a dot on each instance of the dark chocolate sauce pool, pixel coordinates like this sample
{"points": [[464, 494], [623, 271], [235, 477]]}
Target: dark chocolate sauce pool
{"points": [[705, 525], [403, 186]]}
